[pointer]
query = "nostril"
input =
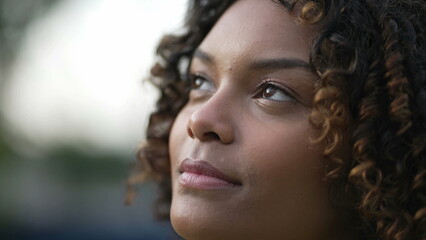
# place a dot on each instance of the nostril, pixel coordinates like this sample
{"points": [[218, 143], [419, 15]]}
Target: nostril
{"points": [[190, 133], [211, 136]]}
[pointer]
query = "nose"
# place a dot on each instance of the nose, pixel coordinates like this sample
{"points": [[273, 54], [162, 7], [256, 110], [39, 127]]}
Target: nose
{"points": [[212, 121]]}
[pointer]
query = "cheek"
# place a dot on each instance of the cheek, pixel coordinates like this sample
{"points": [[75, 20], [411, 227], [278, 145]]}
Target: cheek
{"points": [[287, 174], [288, 155], [282, 148], [289, 169]]}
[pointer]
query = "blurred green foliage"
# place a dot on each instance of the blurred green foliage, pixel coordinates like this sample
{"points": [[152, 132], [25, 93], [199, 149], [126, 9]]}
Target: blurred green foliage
{"points": [[83, 168]]}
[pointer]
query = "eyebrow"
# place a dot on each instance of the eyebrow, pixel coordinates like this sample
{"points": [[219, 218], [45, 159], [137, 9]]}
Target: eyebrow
{"points": [[273, 63], [277, 63]]}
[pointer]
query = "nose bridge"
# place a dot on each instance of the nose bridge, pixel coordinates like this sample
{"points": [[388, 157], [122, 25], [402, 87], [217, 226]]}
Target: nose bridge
{"points": [[214, 119]]}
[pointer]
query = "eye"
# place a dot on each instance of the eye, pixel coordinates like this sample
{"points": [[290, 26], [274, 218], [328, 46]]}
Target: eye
{"points": [[199, 82], [272, 92]]}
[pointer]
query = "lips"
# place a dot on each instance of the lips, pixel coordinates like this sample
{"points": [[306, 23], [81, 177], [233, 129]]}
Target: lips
{"points": [[201, 175]]}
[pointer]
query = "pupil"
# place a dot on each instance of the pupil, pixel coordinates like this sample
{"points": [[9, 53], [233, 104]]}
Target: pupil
{"points": [[269, 92], [198, 82]]}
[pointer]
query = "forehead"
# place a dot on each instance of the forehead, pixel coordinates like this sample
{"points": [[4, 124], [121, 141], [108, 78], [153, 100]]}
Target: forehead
{"points": [[261, 28]]}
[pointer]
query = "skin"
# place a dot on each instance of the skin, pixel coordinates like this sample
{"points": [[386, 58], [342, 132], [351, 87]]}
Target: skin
{"points": [[252, 132]]}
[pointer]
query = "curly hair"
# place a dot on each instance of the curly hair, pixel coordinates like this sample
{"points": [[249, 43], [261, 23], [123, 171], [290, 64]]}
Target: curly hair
{"points": [[370, 57]]}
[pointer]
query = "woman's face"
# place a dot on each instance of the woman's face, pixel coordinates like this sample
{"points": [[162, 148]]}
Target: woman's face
{"points": [[242, 163]]}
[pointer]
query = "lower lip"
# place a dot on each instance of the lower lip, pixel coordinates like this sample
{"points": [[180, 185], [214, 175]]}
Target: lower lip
{"points": [[193, 180]]}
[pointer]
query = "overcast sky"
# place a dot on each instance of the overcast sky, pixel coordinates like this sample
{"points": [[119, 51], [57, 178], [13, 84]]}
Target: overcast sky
{"points": [[79, 73]]}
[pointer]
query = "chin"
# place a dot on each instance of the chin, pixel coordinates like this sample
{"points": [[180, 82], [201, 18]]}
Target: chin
{"points": [[192, 228], [198, 222]]}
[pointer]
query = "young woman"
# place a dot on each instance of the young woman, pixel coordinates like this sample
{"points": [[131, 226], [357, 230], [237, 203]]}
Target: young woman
{"points": [[292, 120]]}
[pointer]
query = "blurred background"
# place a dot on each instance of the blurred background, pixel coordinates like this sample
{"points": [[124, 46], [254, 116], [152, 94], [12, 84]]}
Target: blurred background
{"points": [[73, 108]]}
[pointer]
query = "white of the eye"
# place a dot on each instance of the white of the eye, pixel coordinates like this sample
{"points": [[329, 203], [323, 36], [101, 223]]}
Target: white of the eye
{"points": [[273, 93]]}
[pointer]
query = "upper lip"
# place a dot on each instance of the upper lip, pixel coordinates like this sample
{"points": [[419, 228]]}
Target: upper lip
{"points": [[204, 168]]}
